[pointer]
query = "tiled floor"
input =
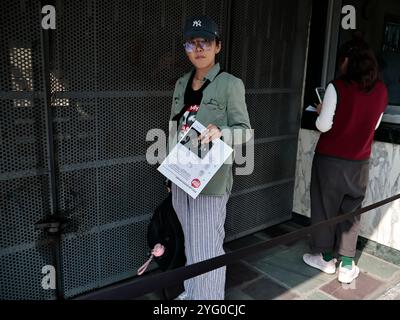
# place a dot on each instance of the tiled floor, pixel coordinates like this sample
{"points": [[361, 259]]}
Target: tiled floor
{"points": [[280, 274]]}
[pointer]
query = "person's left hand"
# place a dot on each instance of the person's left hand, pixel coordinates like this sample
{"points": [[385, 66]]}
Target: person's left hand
{"points": [[210, 134], [319, 108]]}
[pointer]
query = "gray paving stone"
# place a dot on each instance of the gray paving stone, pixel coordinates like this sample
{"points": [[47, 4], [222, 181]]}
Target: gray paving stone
{"points": [[376, 266], [318, 295], [236, 294], [239, 273], [266, 289]]}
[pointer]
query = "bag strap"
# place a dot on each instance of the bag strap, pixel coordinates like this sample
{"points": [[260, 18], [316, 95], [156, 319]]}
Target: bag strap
{"points": [[156, 252], [205, 85]]}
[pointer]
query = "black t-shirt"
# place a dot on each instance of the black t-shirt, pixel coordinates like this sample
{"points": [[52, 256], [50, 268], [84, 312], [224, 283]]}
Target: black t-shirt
{"points": [[192, 103]]}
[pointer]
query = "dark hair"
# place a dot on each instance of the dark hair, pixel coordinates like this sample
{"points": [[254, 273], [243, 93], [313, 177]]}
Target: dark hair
{"points": [[362, 67]]}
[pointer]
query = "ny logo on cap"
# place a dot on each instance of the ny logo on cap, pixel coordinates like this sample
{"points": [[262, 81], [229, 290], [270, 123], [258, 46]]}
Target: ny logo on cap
{"points": [[197, 23]]}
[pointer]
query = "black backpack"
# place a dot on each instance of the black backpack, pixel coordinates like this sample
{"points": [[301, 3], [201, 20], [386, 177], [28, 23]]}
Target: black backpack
{"points": [[165, 229]]}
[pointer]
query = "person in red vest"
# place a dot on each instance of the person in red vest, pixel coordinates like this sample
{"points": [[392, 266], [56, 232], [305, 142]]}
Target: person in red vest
{"points": [[351, 111]]}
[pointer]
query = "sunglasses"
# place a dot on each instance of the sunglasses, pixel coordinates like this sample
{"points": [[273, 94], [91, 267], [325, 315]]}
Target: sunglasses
{"points": [[191, 45]]}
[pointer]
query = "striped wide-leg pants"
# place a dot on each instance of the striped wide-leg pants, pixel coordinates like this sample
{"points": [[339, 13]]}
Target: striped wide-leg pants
{"points": [[202, 221]]}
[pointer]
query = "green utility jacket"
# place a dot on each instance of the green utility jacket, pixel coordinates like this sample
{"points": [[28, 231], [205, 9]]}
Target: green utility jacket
{"points": [[223, 105]]}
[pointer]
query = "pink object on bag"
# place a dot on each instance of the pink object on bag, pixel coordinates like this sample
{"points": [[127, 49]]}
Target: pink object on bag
{"points": [[157, 251]]}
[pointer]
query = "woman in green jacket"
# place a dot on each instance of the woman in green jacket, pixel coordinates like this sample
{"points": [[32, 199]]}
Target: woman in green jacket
{"points": [[217, 100]]}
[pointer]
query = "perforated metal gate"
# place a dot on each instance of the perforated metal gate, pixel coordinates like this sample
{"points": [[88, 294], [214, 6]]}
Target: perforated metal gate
{"points": [[269, 42], [113, 66]]}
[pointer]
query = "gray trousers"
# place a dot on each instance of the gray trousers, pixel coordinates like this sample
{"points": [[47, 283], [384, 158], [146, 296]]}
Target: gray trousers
{"points": [[337, 187], [202, 222]]}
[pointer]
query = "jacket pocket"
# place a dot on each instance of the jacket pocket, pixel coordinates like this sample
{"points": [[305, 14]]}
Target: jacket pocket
{"points": [[213, 112], [214, 105]]}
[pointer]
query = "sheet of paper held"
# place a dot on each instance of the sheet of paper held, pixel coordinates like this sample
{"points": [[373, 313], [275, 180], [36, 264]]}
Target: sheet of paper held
{"points": [[191, 165]]}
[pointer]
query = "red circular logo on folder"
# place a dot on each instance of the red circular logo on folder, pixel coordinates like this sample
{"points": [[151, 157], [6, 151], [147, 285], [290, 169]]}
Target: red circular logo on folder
{"points": [[196, 183]]}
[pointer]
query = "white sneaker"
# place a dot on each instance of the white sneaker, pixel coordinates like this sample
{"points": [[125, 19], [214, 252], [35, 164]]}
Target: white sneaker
{"points": [[317, 261], [348, 275], [182, 296]]}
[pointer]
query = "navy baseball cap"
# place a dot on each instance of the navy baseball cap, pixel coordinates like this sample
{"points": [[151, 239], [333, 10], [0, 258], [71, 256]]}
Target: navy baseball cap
{"points": [[200, 26]]}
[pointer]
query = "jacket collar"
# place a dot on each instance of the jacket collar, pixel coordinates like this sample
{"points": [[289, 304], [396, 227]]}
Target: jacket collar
{"points": [[213, 72], [210, 75]]}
